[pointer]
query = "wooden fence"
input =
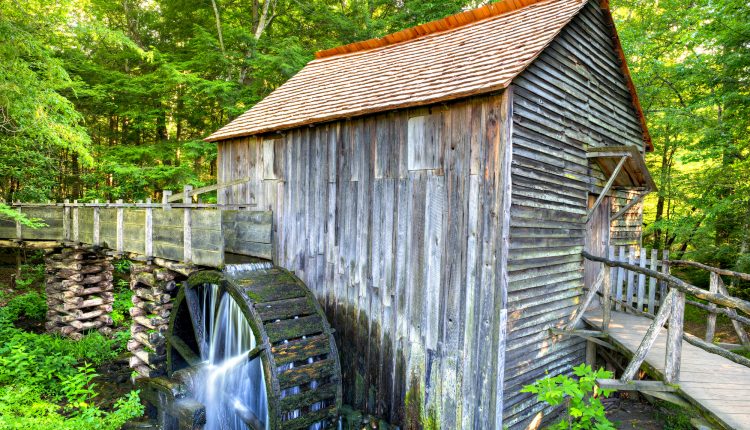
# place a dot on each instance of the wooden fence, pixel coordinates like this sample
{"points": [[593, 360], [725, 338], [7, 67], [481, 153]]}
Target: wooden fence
{"points": [[196, 233], [638, 290], [670, 311]]}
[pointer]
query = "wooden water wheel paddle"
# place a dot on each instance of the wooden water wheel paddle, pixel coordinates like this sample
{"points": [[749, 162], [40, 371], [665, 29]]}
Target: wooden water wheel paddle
{"points": [[290, 329]]}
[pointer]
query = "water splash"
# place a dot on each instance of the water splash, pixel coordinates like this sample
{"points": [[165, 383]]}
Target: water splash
{"points": [[231, 387]]}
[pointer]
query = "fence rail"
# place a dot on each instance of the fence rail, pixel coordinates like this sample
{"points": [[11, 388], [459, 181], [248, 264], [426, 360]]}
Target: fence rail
{"points": [[670, 310]]}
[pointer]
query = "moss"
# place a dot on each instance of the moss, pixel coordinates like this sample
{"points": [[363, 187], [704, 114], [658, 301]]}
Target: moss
{"points": [[205, 277], [415, 417]]}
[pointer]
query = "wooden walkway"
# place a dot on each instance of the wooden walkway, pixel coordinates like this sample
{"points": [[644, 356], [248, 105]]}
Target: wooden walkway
{"points": [[712, 383]]}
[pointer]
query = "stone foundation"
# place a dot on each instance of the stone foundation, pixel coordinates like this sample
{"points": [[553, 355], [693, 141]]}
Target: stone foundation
{"points": [[79, 292]]}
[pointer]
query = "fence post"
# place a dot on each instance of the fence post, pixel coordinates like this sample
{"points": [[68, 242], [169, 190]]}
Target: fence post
{"points": [[641, 280], [630, 290], [665, 270], [165, 195], [674, 338], [149, 237], [620, 280], [711, 319], [187, 232], [606, 293], [97, 229], [19, 227], [120, 227], [652, 302], [66, 220], [76, 232]]}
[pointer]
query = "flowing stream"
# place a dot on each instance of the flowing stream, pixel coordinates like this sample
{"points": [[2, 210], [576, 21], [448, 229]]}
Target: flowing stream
{"points": [[232, 388]]}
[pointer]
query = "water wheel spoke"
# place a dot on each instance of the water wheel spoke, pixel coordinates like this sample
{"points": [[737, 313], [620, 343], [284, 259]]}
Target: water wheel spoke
{"points": [[184, 350], [305, 421], [196, 316], [308, 398]]}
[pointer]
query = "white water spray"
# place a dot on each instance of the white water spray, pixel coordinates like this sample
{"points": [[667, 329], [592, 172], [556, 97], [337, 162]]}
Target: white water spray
{"points": [[231, 387]]}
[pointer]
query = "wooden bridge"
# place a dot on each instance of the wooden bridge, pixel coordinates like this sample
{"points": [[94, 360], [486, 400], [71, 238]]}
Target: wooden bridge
{"points": [[193, 233], [640, 301]]}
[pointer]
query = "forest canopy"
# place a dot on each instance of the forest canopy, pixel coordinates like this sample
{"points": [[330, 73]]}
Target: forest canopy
{"points": [[110, 100]]}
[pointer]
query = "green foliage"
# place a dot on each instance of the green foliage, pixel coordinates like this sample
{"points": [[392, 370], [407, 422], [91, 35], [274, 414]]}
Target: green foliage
{"points": [[23, 407], [581, 397], [39, 370], [78, 388], [31, 305], [673, 417], [121, 306], [9, 213], [690, 65], [122, 266], [31, 275]]}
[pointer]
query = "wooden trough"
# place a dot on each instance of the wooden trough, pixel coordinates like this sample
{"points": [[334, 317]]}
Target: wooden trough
{"points": [[290, 328]]}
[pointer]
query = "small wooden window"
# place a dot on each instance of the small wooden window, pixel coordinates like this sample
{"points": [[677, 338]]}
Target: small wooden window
{"points": [[268, 159], [422, 149]]}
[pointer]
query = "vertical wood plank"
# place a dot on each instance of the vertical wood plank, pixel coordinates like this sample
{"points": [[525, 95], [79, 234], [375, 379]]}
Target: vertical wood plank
{"points": [[149, 230], [120, 227], [620, 278], [652, 283], [641, 280], [711, 318], [665, 269], [19, 229], [187, 225], [674, 339], [97, 224], [67, 234], [76, 231], [631, 277], [606, 295]]}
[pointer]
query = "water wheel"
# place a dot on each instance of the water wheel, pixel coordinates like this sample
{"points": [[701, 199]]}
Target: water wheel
{"points": [[292, 339]]}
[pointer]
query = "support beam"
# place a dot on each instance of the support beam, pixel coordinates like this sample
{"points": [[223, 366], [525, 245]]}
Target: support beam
{"points": [[637, 199], [649, 339], [619, 385], [608, 185], [674, 339]]}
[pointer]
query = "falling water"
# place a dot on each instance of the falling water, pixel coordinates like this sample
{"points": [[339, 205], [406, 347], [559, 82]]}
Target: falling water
{"points": [[231, 387]]}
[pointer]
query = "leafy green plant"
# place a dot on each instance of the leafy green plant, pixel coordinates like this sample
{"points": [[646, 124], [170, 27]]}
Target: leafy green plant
{"points": [[121, 306], [580, 396], [24, 407], [31, 274], [122, 266], [31, 305], [78, 388]]}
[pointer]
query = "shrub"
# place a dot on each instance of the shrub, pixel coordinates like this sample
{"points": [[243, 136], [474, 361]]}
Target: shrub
{"points": [[23, 407], [30, 305], [31, 275], [581, 397], [121, 307]]}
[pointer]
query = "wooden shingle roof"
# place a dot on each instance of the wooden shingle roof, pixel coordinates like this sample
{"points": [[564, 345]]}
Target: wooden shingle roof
{"points": [[474, 52]]}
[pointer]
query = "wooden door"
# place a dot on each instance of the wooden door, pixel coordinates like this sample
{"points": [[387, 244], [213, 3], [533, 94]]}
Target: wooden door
{"points": [[596, 237]]}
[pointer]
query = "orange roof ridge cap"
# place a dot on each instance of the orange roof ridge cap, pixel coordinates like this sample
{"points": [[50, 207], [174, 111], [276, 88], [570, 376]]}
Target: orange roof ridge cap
{"points": [[451, 22]]}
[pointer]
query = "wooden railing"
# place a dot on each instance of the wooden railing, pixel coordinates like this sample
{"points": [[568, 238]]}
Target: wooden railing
{"points": [[670, 312], [645, 293], [197, 233]]}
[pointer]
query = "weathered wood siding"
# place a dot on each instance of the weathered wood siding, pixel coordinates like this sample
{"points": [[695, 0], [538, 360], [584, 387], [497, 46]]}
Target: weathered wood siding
{"points": [[52, 217], [572, 96], [395, 222]]}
